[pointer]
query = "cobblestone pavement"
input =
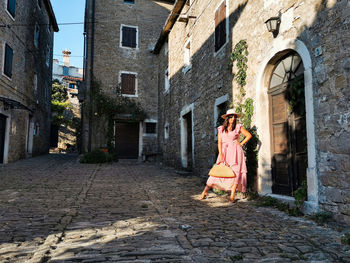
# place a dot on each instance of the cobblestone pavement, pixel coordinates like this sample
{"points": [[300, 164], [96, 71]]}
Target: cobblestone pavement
{"points": [[54, 209]]}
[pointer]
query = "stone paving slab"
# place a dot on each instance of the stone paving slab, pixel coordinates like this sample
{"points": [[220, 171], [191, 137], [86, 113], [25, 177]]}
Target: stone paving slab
{"points": [[54, 209]]}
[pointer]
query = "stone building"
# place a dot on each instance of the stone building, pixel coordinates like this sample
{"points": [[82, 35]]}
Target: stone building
{"points": [[311, 46], [26, 45], [64, 137], [118, 44]]}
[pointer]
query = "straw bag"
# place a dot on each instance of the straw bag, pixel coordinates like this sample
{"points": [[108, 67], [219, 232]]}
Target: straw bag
{"points": [[221, 170]]}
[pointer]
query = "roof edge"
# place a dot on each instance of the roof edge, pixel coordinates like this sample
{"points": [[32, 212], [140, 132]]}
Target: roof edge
{"points": [[178, 6], [51, 15]]}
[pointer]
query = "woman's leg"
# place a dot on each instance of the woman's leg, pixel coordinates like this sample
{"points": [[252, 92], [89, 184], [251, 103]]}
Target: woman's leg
{"points": [[233, 192], [205, 192]]}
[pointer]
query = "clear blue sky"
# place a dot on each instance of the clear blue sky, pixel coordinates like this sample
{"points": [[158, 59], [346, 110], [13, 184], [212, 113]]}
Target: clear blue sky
{"points": [[69, 36]]}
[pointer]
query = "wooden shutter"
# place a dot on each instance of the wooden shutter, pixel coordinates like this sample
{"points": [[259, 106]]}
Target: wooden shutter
{"points": [[8, 61], [129, 37], [220, 26], [128, 84]]}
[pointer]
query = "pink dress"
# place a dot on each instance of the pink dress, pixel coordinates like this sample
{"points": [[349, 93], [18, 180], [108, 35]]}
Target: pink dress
{"points": [[233, 155]]}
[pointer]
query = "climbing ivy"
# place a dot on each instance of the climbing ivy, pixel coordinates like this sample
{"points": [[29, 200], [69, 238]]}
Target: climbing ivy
{"points": [[245, 106], [239, 57], [108, 107]]}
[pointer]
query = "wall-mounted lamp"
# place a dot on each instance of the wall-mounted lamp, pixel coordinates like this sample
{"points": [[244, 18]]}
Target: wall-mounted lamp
{"points": [[273, 25]]}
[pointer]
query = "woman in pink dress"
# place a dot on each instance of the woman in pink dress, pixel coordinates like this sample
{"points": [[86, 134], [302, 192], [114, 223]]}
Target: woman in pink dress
{"points": [[231, 154]]}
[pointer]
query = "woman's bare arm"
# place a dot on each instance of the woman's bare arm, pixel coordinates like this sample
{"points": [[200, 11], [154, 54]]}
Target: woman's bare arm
{"points": [[247, 136], [219, 146]]}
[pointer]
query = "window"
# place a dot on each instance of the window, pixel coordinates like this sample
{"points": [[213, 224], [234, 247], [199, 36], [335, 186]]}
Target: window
{"points": [[128, 84], [166, 131], [48, 56], [35, 83], [151, 127], [11, 7], [8, 61], [129, 2], [220, 26], [36, 35], [166, 81], [71, 86], [65, 71], [129, 36], [187, 53]]}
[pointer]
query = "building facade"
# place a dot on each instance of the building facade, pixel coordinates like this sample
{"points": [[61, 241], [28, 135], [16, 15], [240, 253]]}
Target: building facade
{"points": [[118, 45], [26, 47], [305, 62], [64, 137]]}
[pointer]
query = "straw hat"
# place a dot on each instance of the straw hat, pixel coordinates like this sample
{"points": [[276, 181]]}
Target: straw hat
{"points": [[231, 112]]}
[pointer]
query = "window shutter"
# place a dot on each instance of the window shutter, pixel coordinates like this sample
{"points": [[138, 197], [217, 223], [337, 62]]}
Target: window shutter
{"points": [[220, 26], [128, 84], [8, 61], [129, 37], [11, 7]]}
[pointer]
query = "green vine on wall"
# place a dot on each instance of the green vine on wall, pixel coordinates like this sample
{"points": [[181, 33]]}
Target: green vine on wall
{"points": [[239, 59], [106, 106], [239, 56]]}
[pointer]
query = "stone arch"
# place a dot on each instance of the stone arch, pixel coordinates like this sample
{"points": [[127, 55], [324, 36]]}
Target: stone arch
{"points": [[278, 50]]}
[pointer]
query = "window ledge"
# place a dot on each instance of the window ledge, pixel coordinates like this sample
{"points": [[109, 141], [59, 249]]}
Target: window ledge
{"points": [[14, 19], [216, 53], [154, 135], [130, 96], [7, 77], [185, 69]]}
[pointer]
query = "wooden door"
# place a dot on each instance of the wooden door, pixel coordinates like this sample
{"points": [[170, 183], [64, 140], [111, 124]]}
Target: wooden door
{"points": [[188, 121], [127, 140], [288, 126], [2, 136]]}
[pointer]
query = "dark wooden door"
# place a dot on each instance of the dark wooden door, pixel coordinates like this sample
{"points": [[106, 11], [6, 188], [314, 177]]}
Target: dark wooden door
{"points": [[2, 136], [127, 140], [188, 121], [288, 126]]}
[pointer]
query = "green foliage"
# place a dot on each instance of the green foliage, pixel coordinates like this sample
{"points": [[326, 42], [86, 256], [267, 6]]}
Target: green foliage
{"points": [[108, 106], [322, 217], [296, 95], [59, 91], [239, 56], [219, 192], [97, 156], [112, 105], [300, 194], [268, 201], [58, 108], [346, 239]]}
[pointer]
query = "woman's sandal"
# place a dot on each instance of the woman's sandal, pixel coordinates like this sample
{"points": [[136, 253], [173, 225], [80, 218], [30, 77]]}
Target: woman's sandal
{"points": [[232, 201], [203, 196]]}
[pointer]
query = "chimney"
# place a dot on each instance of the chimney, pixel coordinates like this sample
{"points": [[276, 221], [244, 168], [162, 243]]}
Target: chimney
{"points": [[66, 57]]}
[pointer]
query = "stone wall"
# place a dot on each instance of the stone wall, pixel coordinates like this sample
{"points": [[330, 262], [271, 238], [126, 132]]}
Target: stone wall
{"points": [[109, 59], [318, 31], [28, 60]]}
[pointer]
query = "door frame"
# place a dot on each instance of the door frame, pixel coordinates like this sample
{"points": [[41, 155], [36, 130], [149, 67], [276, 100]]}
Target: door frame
{"points": [[183, 128], [277, 50], [7, 135]]}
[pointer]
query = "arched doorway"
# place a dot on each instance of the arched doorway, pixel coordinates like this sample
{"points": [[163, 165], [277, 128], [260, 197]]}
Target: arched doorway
{"points": [[287, 124]]}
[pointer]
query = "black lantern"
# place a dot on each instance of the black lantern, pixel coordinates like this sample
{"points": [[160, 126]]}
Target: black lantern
{"points": [[273, 25]]}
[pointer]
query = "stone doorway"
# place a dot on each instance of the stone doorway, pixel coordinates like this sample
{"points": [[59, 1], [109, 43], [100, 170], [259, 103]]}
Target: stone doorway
{"points": [[187, 138], [2, 137], [287, 125]]}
